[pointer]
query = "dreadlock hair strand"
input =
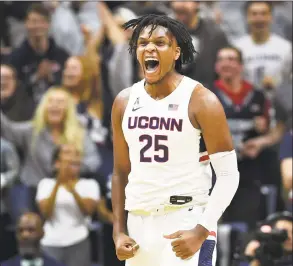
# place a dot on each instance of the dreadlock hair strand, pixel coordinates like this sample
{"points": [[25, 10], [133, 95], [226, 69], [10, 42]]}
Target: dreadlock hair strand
{"points": [[177, 29]]}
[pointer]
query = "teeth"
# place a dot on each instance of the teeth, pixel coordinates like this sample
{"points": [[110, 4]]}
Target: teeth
{"points": [[151, 59]]}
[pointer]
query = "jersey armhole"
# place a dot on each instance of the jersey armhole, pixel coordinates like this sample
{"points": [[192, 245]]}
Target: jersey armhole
{"points": [[189, 103]]}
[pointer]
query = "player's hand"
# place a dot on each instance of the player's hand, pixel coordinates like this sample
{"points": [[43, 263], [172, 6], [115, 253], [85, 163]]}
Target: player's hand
{"points": [[126, 247], [188, 242]]}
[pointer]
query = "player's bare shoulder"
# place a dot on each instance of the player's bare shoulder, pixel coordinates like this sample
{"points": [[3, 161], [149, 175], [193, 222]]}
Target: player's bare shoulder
{"points": [[204, 104], [203, 99], [120, 103]]}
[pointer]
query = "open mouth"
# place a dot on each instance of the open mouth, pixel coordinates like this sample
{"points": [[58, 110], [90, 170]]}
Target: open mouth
{"points": [[151, 65]]}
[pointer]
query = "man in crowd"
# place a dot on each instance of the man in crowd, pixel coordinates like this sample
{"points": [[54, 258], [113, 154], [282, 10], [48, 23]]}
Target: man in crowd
{"points": [[38, 60], [207, 39], [246, 111], [29, 233], [267, 56]]}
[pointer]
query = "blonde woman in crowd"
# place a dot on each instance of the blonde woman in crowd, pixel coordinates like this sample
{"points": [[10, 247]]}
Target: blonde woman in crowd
{"points": [[55, 122], [66, 201]]}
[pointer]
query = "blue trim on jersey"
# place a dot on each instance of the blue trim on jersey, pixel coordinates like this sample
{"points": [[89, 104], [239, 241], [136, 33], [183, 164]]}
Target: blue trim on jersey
{"points": [[206, 253]]}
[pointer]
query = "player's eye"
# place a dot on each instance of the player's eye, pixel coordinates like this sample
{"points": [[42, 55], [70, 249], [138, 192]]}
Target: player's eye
{"points": [[160, 43], [142, 43]]}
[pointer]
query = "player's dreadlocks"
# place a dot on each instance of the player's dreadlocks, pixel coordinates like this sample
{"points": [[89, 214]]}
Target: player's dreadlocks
{"points": [[177, 29]]}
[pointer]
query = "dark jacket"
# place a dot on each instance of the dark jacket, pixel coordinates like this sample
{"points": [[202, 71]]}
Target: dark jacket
{"points": [[26, 62], [20, 106], [15, 261], [208, 39]]}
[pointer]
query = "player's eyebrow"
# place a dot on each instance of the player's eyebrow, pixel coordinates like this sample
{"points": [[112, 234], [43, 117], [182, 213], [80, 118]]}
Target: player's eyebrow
{"points": [[145, 39]]}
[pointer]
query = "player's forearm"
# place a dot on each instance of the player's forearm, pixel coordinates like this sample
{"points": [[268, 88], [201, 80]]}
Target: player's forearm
{"points": [[118, 204], [225, 166]]}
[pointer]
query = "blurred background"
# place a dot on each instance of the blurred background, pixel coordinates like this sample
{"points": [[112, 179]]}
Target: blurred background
{"points": [[62, 65]]}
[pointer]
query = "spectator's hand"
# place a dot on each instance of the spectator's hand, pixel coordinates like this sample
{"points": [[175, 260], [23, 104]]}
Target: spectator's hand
{"points": [[126, 247], [45, 70], [252, 147], [70, 185], [251, 248], [62, 177], [268, 83], [261, 124]]}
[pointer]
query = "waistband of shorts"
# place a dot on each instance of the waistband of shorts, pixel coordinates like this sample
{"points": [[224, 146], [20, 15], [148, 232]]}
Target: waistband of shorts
{"points": [[162, 210]]}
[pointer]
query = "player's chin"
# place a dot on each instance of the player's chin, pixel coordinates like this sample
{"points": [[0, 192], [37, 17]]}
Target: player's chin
{"points": [[152, 80]]}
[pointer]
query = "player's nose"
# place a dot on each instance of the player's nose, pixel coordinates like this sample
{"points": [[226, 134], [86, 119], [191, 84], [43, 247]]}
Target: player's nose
{"points": [[150, 47]]}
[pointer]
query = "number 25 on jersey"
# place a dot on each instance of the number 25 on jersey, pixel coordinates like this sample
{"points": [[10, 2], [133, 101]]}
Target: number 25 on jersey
{"points": [[157, 144]]}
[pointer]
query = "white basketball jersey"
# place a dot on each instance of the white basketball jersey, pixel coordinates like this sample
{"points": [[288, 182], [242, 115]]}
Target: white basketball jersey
{"points": [[164, 149]]}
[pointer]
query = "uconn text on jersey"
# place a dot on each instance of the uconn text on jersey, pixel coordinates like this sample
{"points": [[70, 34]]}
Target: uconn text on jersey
{"points": [[161, 123]]}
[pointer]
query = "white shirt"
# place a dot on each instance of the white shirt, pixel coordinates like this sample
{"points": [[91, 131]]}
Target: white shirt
{"points": [[68, 224], [273, 59], [163, 149]]}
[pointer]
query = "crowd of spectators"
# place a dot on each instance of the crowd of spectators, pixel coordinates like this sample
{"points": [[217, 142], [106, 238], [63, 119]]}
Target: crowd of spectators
{"points": [[63, 63]]}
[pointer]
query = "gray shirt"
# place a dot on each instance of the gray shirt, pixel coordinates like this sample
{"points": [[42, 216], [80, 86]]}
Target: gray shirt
{"points": [[9, 168], [38, 153]]}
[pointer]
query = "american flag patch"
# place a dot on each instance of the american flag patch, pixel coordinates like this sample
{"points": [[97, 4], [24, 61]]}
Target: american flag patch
{"points": [[173, 107]]}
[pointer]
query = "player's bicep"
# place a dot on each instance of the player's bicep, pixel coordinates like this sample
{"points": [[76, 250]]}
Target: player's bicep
{"points": [[120, 147], [212, 120]]}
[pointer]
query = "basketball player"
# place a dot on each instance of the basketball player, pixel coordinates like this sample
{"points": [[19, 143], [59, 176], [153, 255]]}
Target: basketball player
{"points": [[159, 176]]}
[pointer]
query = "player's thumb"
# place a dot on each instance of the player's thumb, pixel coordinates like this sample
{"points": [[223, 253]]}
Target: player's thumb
{"points": [[135, 247], [174, 235]]}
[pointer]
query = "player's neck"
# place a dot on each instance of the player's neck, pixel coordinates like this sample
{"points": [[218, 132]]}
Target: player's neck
{"points": [[40, 45], [165, 86], [260, 38], [234, 85]]}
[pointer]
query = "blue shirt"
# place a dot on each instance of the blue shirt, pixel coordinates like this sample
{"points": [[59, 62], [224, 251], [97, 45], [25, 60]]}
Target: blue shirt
{"points": [[286, 146]]}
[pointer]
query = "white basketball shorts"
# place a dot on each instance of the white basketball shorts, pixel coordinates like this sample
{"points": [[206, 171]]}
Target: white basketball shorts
{"points": [[155, 250]]}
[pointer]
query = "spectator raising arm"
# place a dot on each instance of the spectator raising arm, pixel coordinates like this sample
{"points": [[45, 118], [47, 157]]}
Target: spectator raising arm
{"points": [[120, 64]]}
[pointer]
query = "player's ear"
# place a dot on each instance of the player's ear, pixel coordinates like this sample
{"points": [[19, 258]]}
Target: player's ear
{"points": [[177, 52]]}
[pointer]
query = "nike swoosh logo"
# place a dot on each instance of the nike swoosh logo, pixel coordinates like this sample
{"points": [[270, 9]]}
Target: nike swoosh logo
{"points": [[135, 109]]}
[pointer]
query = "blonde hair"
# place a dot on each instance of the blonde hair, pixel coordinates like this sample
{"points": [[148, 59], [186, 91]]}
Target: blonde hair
{"points": [[73, 132]]}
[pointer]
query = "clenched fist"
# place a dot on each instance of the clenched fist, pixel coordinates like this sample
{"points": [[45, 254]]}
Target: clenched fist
{"points": [[187, 242], [126, 247]]}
